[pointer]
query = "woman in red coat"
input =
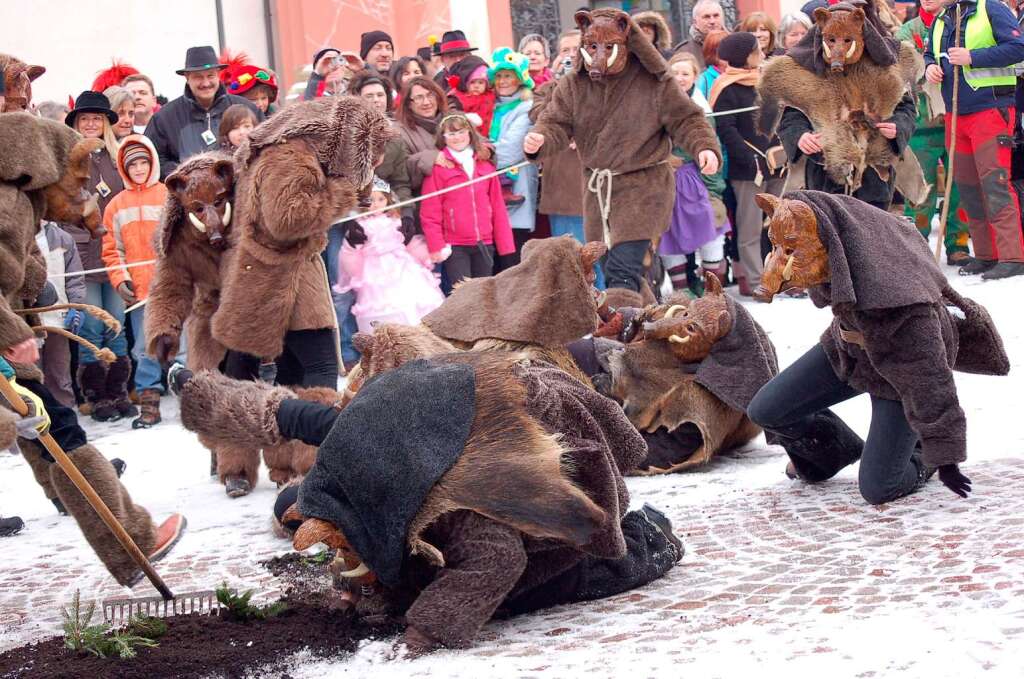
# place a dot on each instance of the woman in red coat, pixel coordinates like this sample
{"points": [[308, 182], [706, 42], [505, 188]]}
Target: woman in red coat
{"points": [[472, 219]]}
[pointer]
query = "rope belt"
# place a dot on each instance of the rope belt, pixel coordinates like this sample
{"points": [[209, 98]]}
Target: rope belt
{"points": [[600, 184]]}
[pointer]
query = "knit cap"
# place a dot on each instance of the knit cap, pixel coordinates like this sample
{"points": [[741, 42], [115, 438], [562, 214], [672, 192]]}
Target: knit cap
{"points": [[371, 38], [479, 73], [133, 150], [735, 48]]}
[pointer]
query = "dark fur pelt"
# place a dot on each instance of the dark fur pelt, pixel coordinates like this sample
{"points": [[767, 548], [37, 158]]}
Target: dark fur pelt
{"points": [[187, 281]]}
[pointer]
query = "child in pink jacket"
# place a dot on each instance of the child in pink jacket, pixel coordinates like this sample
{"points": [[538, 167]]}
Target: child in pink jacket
{"points": [[393, 282], [472, 219]]}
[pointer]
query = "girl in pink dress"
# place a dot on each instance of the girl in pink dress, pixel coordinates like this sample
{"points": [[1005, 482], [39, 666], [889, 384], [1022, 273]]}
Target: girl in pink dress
{"points": [[393, 282]]}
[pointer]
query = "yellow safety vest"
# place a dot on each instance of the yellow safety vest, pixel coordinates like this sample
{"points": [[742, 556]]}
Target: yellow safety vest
{"points": [[977, 36]]}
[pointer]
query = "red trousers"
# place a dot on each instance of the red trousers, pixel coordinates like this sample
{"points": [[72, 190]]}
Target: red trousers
{"points": [[984, 142]]}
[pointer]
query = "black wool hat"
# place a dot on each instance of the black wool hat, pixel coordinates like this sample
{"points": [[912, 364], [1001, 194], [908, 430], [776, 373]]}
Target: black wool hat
{"points": [[320, 53], [735, 48], [453, 42], [90, 102], [200, 59], [371, 38]]}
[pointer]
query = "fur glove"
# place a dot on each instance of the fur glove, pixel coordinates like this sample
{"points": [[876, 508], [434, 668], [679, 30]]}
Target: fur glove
{"points": [[232, 411]]}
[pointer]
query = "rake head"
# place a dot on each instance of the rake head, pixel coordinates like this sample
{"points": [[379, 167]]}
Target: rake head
{"points": [[119, 611]]}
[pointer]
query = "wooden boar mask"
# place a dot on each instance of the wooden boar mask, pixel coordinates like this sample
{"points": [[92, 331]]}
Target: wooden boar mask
{"points": [[347, 563], [692, 330], [204, 193], [798, 258], [842, 36], [18, 77], [68, 201], [603, 50]]}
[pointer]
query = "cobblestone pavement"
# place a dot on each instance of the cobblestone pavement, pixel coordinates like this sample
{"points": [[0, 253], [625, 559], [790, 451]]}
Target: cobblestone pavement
{"points": [[807, 566]]}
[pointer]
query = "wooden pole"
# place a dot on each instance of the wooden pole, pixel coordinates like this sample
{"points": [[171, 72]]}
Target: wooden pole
{"points": [[952, 146], [95, 501]]}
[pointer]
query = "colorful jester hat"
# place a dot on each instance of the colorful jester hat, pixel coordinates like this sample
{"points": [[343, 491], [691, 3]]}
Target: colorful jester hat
{"points": [[506, 59]]}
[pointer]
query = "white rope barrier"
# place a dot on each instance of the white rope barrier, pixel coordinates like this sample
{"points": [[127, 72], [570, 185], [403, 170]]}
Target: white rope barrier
{"points": [[389, 208]]}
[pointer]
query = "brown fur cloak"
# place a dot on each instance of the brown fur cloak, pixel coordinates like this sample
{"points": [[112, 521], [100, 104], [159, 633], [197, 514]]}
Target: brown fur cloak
{"points": [[627, 124], [545, 300], [298, 173], [35, 155]]}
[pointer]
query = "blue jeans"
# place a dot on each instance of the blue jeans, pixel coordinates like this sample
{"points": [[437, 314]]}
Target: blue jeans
{"points": [[343, 302], [147, 370], [104, 296], [572, 225]]}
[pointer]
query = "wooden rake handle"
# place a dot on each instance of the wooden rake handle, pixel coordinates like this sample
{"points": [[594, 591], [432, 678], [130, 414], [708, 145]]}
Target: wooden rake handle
{"points": [[90, 494]]}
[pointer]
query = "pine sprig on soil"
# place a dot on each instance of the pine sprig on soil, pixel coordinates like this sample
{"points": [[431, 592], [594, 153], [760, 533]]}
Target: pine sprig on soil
{"points": [[238, 606], [99, 639]]}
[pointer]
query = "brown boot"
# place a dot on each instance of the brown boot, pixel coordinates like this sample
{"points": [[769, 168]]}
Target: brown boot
{"points": [[92, 378], [149, 402], [118, 374]]}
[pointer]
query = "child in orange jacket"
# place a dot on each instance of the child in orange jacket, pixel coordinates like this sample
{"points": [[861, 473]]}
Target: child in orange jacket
{"points": [[131, 219]]}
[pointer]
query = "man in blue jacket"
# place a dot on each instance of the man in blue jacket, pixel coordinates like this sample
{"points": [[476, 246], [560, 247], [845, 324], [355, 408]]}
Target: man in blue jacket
{"points": [[989, 47]]}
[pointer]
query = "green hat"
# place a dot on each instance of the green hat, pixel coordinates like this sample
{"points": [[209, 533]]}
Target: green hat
{"points": [[505, 59]]}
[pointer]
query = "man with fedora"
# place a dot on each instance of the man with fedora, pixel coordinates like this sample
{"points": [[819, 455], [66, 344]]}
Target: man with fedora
{"points": [[453, 48], [189, 124]]}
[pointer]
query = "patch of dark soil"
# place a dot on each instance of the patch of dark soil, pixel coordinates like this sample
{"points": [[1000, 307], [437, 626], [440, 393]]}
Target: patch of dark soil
{"points": [[204, 646], [305, 579]]}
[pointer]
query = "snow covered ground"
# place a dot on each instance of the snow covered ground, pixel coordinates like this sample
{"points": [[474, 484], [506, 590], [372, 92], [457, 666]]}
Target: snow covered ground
{"points": [[780, 578]]}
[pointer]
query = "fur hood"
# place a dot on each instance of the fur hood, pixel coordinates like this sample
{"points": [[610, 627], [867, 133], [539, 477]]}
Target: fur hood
{"points": [[175, 215], [346, 134], [35, 150], [154, 160], [662, 33], [639, 46]]}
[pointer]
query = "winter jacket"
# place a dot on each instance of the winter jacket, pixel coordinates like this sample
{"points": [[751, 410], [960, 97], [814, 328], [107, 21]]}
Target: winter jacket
{"points": [[421, 152], [58, 249], [873, 189], [131, 220], [468, 215], [508, 151], [737, 129], [394, 170], [626, 124], [1008, 50], [177, 129]]}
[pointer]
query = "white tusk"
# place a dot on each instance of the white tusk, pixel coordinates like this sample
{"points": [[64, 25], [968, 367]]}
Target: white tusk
{"points": [[196, 222], [615, 54], [826, 50], [227, 213], [787, 273], [676, 339], [359, 570], [587, 59], [601, 299], [853, 47], [673, 310]]}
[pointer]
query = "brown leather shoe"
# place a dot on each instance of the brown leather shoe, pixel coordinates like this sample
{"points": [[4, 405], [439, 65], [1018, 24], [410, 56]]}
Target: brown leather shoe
{"points": [[149, 403]]}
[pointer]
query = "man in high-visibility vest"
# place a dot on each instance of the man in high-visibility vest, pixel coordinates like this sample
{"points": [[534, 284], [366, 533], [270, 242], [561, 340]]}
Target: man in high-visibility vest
{"points": [[990, 46]]}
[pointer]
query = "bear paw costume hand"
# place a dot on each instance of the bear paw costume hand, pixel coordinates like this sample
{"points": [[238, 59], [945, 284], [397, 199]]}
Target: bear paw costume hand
{"points": [[417, 643], [166, 347], [954, 479]]}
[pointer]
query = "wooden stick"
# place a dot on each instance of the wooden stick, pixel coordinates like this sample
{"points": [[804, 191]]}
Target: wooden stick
{"points": [[95, 501], [94, 311], [952, 146], [104, 354]]}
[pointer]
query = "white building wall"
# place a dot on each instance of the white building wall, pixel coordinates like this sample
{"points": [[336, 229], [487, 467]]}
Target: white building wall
{"points": [[74, 39]]}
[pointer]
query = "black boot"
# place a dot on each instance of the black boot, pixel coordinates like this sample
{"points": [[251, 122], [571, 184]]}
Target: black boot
{"points": [[663, 524], [10, 525], [1003, 270], [92, 378], [61, 509], [818, 446], [118, 374], [119, 466], [976, 266], [693, 279]]}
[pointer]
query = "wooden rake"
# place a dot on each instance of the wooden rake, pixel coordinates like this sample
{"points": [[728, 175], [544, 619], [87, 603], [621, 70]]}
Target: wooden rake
{"points": [[121, 608]]}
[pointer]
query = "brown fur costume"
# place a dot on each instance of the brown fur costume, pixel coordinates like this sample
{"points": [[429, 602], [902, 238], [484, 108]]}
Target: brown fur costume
{"points": [[296, 174], [42, 171], [18, 77], [101, 475], [626, 123], [537, 306], [187, 282], [844, 102]]}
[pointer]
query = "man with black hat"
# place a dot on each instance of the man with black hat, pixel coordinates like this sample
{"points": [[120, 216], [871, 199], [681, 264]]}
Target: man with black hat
{"points": [[453, 48], [189, 124], [377, 49]]}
